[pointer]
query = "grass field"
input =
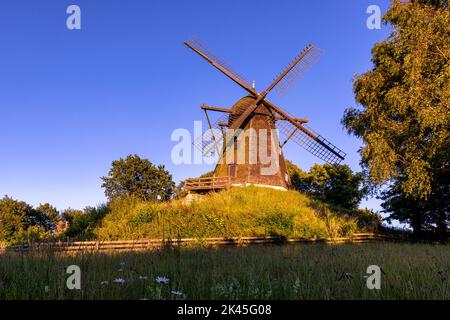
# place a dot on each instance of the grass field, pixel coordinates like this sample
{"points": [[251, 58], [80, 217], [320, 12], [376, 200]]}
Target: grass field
{"points": [[258, 272]]}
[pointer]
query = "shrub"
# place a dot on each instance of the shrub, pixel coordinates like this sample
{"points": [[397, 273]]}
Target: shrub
{"points": [[368, 220], [83, 223]]}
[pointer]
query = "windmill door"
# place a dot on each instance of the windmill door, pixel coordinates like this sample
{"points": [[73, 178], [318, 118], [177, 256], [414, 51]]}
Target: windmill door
{"points": [[232, 170]]}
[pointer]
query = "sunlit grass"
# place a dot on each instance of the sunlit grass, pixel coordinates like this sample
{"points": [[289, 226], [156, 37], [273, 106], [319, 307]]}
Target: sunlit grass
{"points": [[249, 211], [258, 272]]}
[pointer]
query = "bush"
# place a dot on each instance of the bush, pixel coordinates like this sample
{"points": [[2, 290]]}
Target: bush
{"points": [[367, 220], [34, 234], [83, 223]]}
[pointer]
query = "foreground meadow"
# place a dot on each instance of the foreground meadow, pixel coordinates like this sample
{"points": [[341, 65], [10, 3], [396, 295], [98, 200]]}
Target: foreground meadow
{"points": [[258, 272]]}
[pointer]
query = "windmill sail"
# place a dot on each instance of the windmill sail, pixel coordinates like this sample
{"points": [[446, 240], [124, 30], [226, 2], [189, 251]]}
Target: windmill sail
{"points": [[199, 47], [314, 143], [306, 59]]}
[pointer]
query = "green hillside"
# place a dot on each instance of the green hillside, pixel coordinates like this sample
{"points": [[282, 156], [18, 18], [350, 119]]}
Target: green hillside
{"points": [[249, 211]]}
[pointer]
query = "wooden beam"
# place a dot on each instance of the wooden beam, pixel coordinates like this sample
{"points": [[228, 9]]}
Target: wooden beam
{"points": [[299, 120], [211, 108]]}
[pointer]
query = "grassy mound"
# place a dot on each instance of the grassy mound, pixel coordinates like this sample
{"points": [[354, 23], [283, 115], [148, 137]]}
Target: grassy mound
{"points": [[249, 211]]}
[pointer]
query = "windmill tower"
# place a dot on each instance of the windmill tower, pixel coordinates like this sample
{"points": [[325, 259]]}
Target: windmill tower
{"points": [[247, 135]]}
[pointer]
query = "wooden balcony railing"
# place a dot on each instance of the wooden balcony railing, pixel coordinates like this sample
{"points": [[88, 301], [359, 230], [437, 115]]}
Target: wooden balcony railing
{"points": [[208, 183]]}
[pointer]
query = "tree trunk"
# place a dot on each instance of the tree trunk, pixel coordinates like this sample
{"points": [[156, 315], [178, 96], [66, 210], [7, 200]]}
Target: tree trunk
{"points": [[417, 224], [442, 226]]}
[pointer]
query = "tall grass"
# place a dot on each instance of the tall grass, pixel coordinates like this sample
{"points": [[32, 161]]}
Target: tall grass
{"points": [[249, 211], [416, 271]]}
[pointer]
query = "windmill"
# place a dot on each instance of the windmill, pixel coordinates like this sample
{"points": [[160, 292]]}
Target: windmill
{"points": [[255, 113]]}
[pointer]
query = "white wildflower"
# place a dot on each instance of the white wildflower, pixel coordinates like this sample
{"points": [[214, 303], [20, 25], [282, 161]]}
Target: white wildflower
{"points": [[119, 280], [176, 293], [162, 280]]}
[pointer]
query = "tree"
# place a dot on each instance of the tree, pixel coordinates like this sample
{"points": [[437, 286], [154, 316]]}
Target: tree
{"points": [[138, 177], [337, 184], [69, 215], [82, 223], [19, 222], [13, 215], [423, 216], [48, 216], [404, 115], [299, 179], [333, 184], [404, 209]]}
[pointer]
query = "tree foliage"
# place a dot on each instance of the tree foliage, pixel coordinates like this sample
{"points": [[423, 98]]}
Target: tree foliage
{"points": [[48, 216], [404, 120], [81, 223], [404, 115], [14, 217], [20, 222], [138, 177], [333, 184], [424, 216]]}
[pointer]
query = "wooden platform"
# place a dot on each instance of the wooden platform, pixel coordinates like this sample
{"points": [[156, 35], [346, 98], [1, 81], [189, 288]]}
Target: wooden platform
{"points": [[209, 184]]}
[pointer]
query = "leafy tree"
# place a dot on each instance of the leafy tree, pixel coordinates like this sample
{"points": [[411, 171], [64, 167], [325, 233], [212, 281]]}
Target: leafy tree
{"points": [[404, 208], [138, 177], [19, 222], [13, 217], [333, 184], [48, 216], [81, 223], [337, 184], [423, 216], [404, 117], [299, 179], [69, 215]]}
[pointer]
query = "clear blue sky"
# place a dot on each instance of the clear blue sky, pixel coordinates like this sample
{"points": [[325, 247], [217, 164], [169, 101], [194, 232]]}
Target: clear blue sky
{"points": [[73, 101]]}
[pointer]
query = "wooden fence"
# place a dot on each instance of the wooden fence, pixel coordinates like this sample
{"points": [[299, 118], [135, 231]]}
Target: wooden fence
{"points": [[149, 244]]}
